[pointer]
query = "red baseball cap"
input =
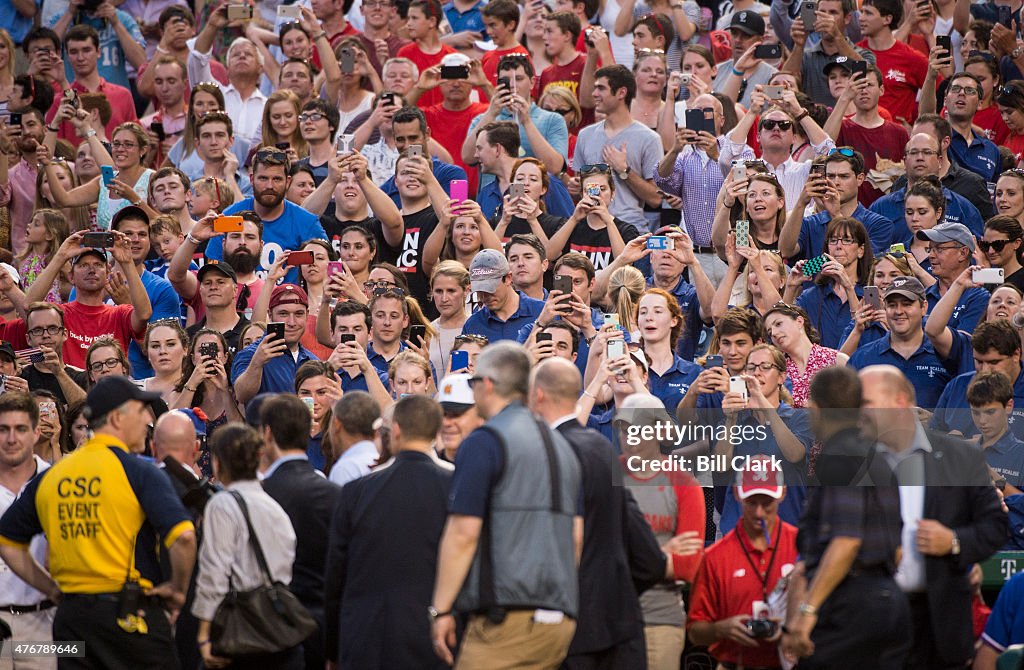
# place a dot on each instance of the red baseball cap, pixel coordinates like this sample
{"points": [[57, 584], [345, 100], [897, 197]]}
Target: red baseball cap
{"points": [[287, 294], [760, 477]]}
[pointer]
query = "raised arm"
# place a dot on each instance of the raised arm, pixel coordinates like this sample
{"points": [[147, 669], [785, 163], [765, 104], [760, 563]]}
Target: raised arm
{"points": [[936, 326], [143, 308]]}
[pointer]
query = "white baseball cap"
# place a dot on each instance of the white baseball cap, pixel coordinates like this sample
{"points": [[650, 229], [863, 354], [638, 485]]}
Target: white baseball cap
{"points": [[454, 392]]}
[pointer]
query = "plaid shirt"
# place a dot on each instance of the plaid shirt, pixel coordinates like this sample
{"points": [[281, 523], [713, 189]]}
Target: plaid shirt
{"points": [[697, 179]]}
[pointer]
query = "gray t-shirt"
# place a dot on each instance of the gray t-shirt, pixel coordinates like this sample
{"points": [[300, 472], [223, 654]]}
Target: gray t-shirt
{"points": [[761, 74], [643, 153], [661, 604]]}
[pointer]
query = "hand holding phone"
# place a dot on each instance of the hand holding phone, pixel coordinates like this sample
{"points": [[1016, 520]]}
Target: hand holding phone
{"points": [[297, 258]]}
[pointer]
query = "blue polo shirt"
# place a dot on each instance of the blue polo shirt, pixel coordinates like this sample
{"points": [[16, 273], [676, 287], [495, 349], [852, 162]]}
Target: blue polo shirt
{"points": [[953, 413], [968, 310], [278, 373], [961, 353], [673, 385], [471, 19], [686, 296], [1006, 456], [444, 172], [812, 232], [958, 210], [981, 156], [924, 369], [1005, 625], [557, 201], [358, 383], [484, 322], [379, 363], [872, 332], [602, 423], [583, 352], [829, 313]]}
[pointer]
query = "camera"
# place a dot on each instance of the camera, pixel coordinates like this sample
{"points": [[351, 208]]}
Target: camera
{"points": [[197, 491], [761, 628]]}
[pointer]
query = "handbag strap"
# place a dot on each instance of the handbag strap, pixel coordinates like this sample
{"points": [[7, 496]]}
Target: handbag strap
{"points": [[253, 540]]}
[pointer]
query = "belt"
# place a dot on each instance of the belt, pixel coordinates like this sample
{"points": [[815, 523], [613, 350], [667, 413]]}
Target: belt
{"points": [[27, 609], [703, 250]]}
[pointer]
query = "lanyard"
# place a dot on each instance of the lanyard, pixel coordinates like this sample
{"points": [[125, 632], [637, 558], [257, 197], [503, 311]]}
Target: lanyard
{"points": [[774, 549]]}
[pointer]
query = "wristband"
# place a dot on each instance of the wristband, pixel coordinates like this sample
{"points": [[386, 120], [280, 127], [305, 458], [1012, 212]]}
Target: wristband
{"points": [[737, 72], [189, 388], [322, 33], [203, 643], [54, 130], [801, 117], [161, 50], [90, 133], [589, 394], [191, 238]]}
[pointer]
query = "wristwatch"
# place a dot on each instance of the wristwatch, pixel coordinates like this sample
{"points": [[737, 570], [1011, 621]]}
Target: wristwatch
{"points": [[954, 548], [1016, 53], [624, 175], [434, 614]]}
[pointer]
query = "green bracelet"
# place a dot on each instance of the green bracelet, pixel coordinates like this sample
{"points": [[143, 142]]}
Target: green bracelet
{"points": [[737, 72]]}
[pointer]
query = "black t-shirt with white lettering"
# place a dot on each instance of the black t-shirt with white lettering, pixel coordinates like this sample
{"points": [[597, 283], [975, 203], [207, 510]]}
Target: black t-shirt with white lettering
{"points": [[335, 228], [595, 244], [418, 227]]}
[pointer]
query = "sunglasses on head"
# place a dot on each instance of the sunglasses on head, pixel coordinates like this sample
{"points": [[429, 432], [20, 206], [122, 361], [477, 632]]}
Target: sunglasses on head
{"points": [[995, 245], [842, 151], [772, 124], [271, 155]]}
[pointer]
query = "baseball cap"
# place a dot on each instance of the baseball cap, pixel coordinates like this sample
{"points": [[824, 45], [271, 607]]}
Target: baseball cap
{"points": [[217, 266], [14, 273], [109, 393], [760, 477], [455, 393], [488, 268], [747, 21], [197, 421], [455, 60], [288, 294], [7, 349], [98, 253], [133, 212], [837, 61], [908, 287], [642, 409], [949, 232], [252, 409]]}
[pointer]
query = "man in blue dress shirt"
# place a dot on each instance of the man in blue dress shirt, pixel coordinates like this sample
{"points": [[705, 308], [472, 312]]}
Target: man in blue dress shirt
{"points": [[505, 311]]}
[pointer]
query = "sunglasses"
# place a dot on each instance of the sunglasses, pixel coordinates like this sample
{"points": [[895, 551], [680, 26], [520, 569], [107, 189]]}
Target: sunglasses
{"points": [[596, 167], [271, 155], [772, 124], [849, 152], [995, 245], [473, 339]]}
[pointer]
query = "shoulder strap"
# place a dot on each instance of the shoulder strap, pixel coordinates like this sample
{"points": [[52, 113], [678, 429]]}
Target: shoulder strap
{"points": [[253, 540], [553, 469]]}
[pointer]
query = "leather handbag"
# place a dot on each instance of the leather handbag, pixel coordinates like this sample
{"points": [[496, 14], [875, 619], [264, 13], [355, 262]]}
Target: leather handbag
{"points": [[265, 620]]}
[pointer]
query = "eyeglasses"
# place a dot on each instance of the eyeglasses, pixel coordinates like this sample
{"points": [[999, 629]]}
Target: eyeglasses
{"points": [[596, 167], [995, 245], [957, 89], [849, 152], [311, 116], [763, 367], [380, 284], [1009, 90], [936, 249], [922, 152], [373, 4], [52, 331], [772, 124], [472, 339], [123, 145], [845, 241], [473, 381], [109, 364], [562, 112]]}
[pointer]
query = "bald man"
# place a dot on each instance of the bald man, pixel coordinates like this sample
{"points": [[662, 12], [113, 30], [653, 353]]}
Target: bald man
{"points": [[609, 632], [952, 521], [175, 435]]}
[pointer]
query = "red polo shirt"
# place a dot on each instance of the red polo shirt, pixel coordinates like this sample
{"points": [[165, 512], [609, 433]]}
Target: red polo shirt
{"points": [[726, 585], [122, 108]]}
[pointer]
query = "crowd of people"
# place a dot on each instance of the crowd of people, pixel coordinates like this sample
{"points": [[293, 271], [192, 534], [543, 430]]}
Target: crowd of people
{"points": [[390, 289]]}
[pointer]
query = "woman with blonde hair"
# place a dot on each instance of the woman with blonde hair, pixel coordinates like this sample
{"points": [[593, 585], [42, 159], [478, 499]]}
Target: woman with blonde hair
{"points": [[281, 124], [7, 56], [410, 374], [562, 101], [754, 278], [450, 290], [526, 214], [625, 288], [763, 203], [79, 218]]}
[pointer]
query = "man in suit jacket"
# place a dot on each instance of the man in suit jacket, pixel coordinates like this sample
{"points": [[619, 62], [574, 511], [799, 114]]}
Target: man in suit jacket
{"points": [[308, 499], [383, 551], [952, 518], [609, 631]]}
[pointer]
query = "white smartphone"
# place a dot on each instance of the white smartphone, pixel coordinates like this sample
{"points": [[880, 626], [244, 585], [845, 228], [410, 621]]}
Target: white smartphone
{"points": [[616, 349], [987, 276], [292, 12], [738, 385], [680, 111]]}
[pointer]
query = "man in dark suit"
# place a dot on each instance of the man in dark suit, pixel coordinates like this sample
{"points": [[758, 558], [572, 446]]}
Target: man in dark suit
{"points": [[383, 551], [609, 631], [308, 499], [951, 513]]}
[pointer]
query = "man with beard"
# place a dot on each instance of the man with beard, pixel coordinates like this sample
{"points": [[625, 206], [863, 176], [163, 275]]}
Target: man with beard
{"points": [[168, 194], [241, 251], [285, 225], [21, 198]]}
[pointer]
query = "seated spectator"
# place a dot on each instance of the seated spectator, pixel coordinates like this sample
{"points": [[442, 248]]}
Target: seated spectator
{"points": [[790, 329], [990, 396]]}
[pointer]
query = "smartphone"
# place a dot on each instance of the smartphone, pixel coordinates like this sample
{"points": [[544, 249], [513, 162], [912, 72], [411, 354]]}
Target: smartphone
{"points": [[610, 318], [545, 337], [459, 189], [15, 119], [292, 12], [307, 401], [768, 51], [208, 350], [713, 361], [283, 146], [347, 337], [818, 170], [108, 174], [616, 349], [454, 72], [872, 297], [660, 243], [460, 360], [71, 97], [275, 329], [808, 14], [516, 190], [345, 143], [594, 192], [347, 60], [335, 268], [945, 42], [695, 120], [813, 266], [897, 248], [388, 98], [774, 92], [415, 150], [858, 66], [239, 12], [228, 224], [562, 283], [158, 129], [1005, 14], [98, 240], [738, 385], [987, 276], [297, 258], [418, 334], [505, 82], [742, 230], [739, 171]]}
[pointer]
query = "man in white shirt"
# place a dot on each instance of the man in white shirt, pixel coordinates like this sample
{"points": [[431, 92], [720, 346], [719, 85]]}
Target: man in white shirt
{"points": [[352, 430], [243, 100]]}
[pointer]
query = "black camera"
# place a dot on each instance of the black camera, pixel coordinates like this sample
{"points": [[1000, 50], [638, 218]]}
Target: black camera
{"points": [[198, 491], [761, 628]]}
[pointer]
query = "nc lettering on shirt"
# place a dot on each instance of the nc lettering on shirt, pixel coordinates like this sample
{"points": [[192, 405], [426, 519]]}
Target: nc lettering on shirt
{"points": [[601, 257], [410, 250], [78, 507]]}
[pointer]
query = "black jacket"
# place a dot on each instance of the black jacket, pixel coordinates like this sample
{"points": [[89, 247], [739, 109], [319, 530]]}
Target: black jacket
{"points": [[382, 559], [617, 541]]}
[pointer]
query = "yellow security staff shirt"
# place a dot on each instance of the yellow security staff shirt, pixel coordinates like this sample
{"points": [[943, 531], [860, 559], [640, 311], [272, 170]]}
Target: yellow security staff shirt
{"points": [[91, 506]]}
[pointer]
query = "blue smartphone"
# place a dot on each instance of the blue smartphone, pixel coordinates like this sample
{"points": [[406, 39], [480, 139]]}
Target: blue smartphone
{"points": [[460, 360], [108, 174]]}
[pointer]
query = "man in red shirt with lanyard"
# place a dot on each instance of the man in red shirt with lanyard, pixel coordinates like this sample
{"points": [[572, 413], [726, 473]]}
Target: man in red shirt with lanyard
{"points": [[739, 572]]}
